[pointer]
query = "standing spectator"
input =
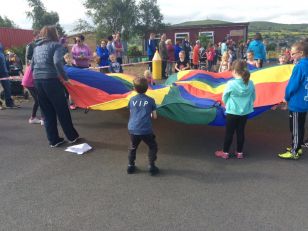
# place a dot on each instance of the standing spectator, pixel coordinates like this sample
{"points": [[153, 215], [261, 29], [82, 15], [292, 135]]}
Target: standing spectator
{"points": [[81, 53], [163, 54], [63, 41], [258, 49], [241, 49], [223, 47], [186, 47], [196, 55], [210, 55], [177, 49], [6, 83], [103, 54], [151, 48], [48, 73], [110, 46], [170, 51], [30, 47], [118, 48]]}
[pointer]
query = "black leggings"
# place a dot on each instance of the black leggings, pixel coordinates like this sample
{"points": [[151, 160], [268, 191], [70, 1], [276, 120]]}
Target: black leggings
{"points": [[235, 123], [34, 95]]}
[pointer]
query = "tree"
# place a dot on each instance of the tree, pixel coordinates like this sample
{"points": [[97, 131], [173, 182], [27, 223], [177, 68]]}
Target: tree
{"points": [[149, 18], [112, 16], [82, 26], [41, 17], [6, 22], [204, 40]]}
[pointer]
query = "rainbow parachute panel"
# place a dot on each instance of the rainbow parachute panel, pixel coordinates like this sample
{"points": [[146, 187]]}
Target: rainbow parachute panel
{"points": [[191, 97]]}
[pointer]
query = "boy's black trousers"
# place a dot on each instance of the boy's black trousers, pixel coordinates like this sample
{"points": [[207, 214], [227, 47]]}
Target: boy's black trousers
{"points": [[150, 141], [297, 129]]}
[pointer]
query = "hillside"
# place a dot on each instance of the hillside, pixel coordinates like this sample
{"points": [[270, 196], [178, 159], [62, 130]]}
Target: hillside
{"points": [[201, 22], [263, 26], [255, 26]]}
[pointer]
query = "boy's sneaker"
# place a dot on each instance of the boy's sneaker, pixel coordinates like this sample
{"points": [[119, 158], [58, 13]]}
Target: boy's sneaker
{"points": [[300, 151], [222, 154], [57, 144], [73, 141], [131, 169], [239, 155], [153, 170], [289, 155], [34, 120]]}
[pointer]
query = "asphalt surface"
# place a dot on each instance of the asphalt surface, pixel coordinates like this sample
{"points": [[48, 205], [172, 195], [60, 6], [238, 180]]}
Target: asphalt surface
{"points": [[43, 188]]}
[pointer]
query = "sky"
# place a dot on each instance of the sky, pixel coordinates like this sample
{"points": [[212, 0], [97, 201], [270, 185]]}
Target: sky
{"points": [[175, 11]]}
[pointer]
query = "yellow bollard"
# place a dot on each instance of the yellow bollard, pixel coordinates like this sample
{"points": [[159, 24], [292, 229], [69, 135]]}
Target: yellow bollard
{"points": [[156, 66]]}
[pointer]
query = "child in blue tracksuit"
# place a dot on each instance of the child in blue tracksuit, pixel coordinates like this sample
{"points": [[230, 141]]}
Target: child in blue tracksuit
{"points": [[103, 54], [142, 108], [239, 97], [296, 97]]}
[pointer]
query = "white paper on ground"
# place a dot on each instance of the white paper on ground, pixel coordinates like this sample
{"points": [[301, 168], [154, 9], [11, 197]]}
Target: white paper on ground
{"points": [[79, 148]]}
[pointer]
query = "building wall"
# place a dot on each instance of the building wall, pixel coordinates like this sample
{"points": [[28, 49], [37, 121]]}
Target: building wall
{"points": [[11, 37], [237, 33]]}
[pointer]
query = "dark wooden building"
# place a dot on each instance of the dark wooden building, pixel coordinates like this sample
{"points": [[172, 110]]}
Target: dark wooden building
{"points": [[216, 31], [12, 37]]}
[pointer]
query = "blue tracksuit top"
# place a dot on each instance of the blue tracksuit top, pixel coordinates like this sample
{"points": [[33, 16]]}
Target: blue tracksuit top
{"points": [[297, 89]]}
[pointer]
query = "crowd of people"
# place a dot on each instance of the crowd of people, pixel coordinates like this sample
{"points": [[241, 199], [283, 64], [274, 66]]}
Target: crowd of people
{"points": [[214, 57], [45, 78]]}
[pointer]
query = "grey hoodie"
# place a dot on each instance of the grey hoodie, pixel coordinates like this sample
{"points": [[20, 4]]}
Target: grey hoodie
{"points": [[47, 61]]}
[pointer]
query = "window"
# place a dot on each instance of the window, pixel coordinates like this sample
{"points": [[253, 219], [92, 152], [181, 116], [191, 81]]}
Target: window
{"points": [[180, 36], [209, 34]]}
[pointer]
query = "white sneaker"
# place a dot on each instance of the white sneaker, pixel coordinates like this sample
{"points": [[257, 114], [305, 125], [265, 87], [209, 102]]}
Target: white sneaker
{"points": [[42, 122], [34, 120]]}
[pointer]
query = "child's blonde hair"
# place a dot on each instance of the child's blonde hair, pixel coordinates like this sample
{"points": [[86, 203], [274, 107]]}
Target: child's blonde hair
{"points": [[68, 58], [147, 74], [225, 56], [168, 41]]}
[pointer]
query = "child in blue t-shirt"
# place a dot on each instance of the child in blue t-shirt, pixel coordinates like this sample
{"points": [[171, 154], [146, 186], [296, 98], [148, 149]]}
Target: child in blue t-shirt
{"points": [[142, 108]]}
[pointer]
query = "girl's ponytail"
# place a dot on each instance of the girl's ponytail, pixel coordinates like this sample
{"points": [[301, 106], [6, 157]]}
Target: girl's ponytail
{"points": [[240, 67]]}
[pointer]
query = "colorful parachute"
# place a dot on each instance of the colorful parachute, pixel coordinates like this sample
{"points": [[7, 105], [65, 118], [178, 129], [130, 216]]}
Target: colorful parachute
{"points": [[192, 97]]}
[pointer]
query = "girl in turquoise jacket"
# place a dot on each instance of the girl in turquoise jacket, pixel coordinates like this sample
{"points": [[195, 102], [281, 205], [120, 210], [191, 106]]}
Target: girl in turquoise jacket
{"points": [[239, 97]]}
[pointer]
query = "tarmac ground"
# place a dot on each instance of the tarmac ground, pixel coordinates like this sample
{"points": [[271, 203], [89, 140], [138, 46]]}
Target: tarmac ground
{"points": [[48, 189]]}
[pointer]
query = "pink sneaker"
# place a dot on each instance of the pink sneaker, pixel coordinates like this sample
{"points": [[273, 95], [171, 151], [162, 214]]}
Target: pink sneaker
{"points": [[222, 154], [239, 155]]}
